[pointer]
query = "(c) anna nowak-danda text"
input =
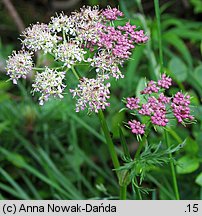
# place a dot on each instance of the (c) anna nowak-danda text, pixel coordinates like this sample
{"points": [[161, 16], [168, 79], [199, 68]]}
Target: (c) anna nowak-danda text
{"points": [[66, 208]]}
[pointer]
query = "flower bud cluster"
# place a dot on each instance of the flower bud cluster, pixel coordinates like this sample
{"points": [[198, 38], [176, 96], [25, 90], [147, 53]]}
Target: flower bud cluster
{"points": [[157, 105], [112, 13], [136, 127], [180, 107]]}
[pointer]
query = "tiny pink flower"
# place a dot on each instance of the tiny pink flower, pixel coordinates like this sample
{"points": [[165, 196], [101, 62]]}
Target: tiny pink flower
{"points": [[151, 88], [159, 118], [112, 13], [163, 99], [145, 109], [132, 103], [165, 82], [136, 127], [180, 107]]}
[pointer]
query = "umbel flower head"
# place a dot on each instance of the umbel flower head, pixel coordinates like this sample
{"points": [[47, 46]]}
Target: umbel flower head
{"points": [[157, 106], [91, 94], [39, 37], [87, 36], [19, 64], [69, 53], [49, 83]]}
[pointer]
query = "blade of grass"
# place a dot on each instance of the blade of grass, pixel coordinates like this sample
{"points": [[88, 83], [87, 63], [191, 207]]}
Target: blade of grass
{"points": [[32, 188], [15, 185], [10, 190], [68, 186], [87, 127], [158, 19]]}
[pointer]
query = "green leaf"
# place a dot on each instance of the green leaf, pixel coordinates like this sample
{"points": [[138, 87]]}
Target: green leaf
{"points": [[198, 73], [199, 179], [197, 6], [180, 46], [14, 158], [131, 75], [185, 33], [178, 69], [187, 164], [191, 146], [141, 85]]}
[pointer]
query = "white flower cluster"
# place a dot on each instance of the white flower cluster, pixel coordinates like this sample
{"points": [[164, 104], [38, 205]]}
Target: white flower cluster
{"points": [[91, 94], [39, 37], [106, 63], [69, 53], [19, 65], [63, 23], [49, 83]]}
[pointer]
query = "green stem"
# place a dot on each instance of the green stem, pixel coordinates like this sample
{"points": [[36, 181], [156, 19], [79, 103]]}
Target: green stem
{"points": [[157, 11], [123, 192], [39, 69], [172, 166], [136, 186], [42, 69], [75, 73], [108, 140], [64, 36], [140, 147], [112, 151]]}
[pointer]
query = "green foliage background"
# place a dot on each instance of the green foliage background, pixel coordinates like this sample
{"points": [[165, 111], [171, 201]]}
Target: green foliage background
{"points": [[51, 152]]}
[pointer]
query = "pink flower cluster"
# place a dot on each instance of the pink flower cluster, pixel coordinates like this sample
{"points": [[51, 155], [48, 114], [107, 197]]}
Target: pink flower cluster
{"points": [[114, 40], [132, 103], [121, 40], [156, 110], [114, 43], [153, 87], [112, 13], [165, 82], [136, 127], [131, 32], [180, 107], [158, 105]]}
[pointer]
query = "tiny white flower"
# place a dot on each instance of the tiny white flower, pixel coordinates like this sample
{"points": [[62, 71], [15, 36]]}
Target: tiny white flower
{"points": [[19, 64], [69, 53], [39, 37], [49, 83], [91, 94]]}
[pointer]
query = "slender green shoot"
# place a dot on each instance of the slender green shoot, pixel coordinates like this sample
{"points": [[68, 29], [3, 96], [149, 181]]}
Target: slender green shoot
{"points": [[172, 166], [158, 18], [112, 151]]}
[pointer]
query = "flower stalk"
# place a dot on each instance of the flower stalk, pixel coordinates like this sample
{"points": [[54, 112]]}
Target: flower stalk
{"points": [[112, 151], [110, 144], [172, 167]]}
